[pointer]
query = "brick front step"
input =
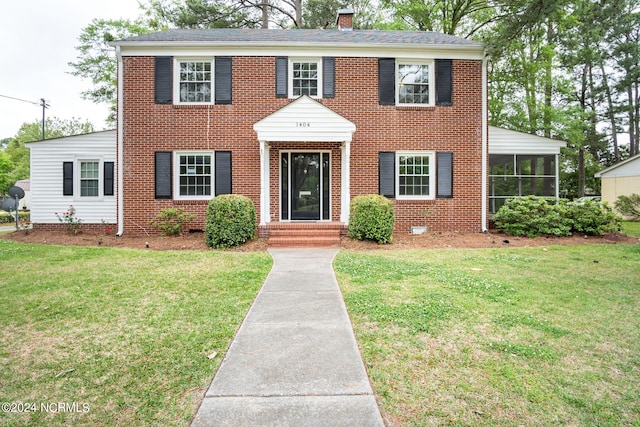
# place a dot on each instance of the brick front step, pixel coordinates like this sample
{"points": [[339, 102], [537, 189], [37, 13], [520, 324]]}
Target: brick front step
{"points": [[303, 234]]}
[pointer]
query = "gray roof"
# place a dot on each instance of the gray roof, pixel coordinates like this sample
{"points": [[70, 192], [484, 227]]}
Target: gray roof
{"points": [[292, 37]]}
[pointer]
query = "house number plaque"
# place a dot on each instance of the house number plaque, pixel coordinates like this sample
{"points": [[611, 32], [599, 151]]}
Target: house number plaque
{"points": [[303, 124]]}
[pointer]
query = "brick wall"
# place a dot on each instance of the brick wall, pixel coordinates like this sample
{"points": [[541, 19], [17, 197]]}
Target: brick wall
{"points": [[149, 127]]}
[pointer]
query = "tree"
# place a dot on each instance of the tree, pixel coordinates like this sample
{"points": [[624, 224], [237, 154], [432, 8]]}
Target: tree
{"points": [[96, 59], [6, 166], [456, 17], [18, 154], [323, 13]]}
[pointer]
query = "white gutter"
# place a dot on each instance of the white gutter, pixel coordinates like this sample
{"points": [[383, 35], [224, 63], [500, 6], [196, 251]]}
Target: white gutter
{"points": [[120, 149], [485, 144]]}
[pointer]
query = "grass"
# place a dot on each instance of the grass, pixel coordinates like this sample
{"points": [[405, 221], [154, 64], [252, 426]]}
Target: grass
{"points": [[521, 336], [631, 228], [124, 334]]}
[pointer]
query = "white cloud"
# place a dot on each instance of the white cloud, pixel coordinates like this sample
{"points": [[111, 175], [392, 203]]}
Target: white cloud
{"points": [[38, 38]]}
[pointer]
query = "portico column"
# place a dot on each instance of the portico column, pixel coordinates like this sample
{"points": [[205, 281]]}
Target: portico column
{"points": [[345, 183], [265, 210]]}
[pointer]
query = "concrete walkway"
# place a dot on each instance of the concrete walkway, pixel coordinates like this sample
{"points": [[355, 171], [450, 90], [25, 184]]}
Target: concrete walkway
{"points": [[294, 360]]}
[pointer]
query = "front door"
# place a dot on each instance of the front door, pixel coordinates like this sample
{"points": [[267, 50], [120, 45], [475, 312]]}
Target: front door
{"points": [[305, 186]]}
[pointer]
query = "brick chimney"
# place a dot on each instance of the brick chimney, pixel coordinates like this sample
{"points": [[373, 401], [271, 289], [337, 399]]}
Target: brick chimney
{"points": [[345, 19]]}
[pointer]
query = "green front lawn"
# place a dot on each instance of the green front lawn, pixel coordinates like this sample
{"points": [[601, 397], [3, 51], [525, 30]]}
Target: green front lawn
{"points": [[631, 228], [124, 335], [528, 336]]}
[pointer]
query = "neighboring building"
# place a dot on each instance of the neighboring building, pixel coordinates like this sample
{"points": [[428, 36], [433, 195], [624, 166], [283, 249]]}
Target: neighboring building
{"points": [[301, 121], [74, 170], [621, 179], [25, 202], [521, 164]]}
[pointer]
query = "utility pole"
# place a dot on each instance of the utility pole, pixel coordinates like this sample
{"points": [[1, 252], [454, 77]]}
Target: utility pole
{"points": [[44, 106]]}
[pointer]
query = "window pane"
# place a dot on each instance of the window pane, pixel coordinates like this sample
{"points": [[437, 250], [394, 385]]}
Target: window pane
{"points": [[413, 176], [195, 81], [89, 175], [305, 78], [413, 83], [195, 175]]}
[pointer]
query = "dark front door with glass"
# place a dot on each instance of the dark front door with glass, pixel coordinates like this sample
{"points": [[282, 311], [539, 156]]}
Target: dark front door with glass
{"points": [[304, 186]]}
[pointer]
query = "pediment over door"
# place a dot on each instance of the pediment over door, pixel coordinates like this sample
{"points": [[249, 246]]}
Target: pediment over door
{"points": [[304, 120]]}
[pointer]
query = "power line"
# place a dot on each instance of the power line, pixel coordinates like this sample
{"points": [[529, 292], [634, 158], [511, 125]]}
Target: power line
{"points": [[42, 104], [18, 99]]}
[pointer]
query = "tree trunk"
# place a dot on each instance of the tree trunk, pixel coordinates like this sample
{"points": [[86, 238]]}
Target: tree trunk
{"points": [[610, 113], [548, 83], [265, 14], [581, 174]]}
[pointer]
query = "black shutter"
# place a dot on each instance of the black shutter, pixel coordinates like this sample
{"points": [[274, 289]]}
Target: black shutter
{"points": [[387, 81], [164, 80], [223, 80], [108, 178], [282, 66], [67, 178], [444, 180], [444, 82], [387, 173], [163, 174], [328, 77], [223, 172]]}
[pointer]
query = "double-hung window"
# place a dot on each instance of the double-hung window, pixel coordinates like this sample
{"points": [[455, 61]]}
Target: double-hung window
{"points": [[194, 175], [416, 172], [414, 82], [195, 81], [305, 77], [89, 178]]}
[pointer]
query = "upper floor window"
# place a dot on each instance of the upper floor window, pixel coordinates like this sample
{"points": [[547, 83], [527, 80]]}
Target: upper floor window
{"points": [[306, 77], [194, 81], [414, 82]]}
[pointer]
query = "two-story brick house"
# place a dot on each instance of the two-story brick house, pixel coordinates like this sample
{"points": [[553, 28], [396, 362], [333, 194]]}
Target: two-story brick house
{"points": [[301, 121]]}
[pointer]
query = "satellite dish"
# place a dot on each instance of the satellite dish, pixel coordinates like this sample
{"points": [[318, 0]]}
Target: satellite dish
{"points": [[16, 192], [10, 205]]}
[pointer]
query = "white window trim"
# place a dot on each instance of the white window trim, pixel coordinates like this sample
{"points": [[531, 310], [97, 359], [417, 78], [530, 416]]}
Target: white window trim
{"points": [[432, 87], [290, 76], [176, 174], [176, 79], [77, 182], [432, 174]]}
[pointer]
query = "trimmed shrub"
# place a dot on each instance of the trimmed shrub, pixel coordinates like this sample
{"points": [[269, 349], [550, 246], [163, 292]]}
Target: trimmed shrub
{"points": [[593, 217], [533, 216], [5, 218], [231, 221], [629, 206], [371, 218]]}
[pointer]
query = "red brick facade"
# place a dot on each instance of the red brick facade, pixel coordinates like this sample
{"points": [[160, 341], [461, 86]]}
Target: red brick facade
{"points": [[148, 127]]}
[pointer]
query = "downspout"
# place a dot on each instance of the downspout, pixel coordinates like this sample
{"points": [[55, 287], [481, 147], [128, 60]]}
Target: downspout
{"points": [[120, 154], [485, 143]]}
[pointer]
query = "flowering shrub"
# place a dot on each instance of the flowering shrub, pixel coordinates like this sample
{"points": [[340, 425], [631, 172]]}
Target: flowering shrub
{"points": [[68, 218]]}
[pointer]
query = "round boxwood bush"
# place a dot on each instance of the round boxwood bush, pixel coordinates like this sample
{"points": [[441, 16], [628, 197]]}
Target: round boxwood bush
{"points": [[231, 221], [371, 218]]}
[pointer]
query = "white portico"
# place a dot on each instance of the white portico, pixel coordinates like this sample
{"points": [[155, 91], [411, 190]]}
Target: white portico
{"points": [[305, 121]]}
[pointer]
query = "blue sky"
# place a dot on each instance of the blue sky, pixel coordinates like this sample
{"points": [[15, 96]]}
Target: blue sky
{"points": [[37, 38]]}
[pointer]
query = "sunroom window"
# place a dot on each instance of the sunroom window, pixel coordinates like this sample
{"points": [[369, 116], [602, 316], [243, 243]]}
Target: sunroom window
{"points": [[516, 175]]}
